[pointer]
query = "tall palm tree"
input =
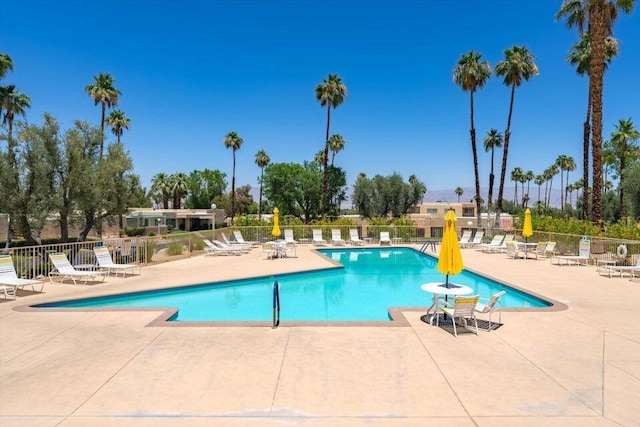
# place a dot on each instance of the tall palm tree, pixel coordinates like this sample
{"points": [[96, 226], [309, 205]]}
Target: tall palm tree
{"points": [[492, 141], [517, 66], [262, 160], [104, 93], [336, 144], [622, 140], [459, 192], [330, 93], [179, 182], [319, 157], [580, 57], [234, 141], [471, 74], [551, 172], [539, 180], [516, 177], [561, 162], [6, 64], [160, 183], [15, 103], [569, 166], [528, 177], [599, 16], [118, 122]]}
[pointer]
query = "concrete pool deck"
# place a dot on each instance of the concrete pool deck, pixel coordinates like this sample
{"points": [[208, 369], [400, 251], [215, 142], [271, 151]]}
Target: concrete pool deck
{"points": [[579, 366]]}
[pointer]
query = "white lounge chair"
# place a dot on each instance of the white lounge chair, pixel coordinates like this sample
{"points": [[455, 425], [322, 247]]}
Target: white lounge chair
{"points": [[493, 305], [231, 249], [63, 269], [317, 237], [583, 257], [9, 277], [105, 262], [463, 309], [464, 239], [502, 247], [384, 238], [631, 269], [494, 243], [240, 239], [336, 238], [354, 238], [477, 240], [213, 250], [288, 236], [234, 245]]}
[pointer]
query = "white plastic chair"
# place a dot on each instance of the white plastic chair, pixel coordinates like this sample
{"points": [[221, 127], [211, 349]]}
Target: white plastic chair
{"points": [[463, 309], [493, 305]]}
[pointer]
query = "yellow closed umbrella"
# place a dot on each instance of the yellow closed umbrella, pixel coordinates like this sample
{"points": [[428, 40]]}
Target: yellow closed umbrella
{"points": [[450, 261], [276, 228], [527, 229]]}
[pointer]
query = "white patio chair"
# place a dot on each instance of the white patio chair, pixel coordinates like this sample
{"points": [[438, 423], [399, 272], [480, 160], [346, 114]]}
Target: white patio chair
{"points": [[336, 238], [463, 310], [63, 269], [492, 306], [354, 238], [105, 262], [9, 277], [317, 237]]}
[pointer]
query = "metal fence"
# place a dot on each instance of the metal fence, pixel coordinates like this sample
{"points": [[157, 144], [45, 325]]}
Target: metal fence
{"points": [[33, 261]]}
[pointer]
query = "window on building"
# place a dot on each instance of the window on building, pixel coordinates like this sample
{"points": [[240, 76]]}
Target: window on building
{"points": [[468, 212], [432, 210], [437, 232]]}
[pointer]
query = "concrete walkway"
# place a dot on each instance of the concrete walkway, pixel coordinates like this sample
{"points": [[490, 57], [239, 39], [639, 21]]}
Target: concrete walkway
{"points": [[575, 367]]}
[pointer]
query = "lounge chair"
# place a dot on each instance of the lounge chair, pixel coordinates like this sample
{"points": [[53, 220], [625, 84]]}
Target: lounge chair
{"points": [[631, 269], [550, 249], [63, 269], [493, 305], [336, 238], [512, 249], [8, 290], [464, 239], [9, 277], [384, 238], [494, 243], [103, 256], [463, 309], [583, 257], [240, 239], [477, 240], [288, 236], [317, 237], [354, 238], [269, 251], [502, 247], [231, 249], [237, 245], [213, 250]]}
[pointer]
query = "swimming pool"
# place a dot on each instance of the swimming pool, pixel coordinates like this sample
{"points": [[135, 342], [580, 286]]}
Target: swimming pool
{"points": [[372, 281]]}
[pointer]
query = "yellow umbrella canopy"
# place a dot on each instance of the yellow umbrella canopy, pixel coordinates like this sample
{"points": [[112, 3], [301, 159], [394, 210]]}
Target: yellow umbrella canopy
{"points": [[276, 228], [527, 229], [450, 261]]}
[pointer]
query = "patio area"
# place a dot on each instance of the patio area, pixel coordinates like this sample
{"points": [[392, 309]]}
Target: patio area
{"points": [[579, 366]]}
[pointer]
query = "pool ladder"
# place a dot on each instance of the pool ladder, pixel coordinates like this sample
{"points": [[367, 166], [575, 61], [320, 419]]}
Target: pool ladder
{"points": [[276, 305]]}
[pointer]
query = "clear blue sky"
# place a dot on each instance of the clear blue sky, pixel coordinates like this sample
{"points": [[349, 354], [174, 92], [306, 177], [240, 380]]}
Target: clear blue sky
{"points": [[191, 71]]}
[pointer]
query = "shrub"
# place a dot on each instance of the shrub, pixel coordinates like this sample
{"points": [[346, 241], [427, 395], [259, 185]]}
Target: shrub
{"points": [[174, 248]]}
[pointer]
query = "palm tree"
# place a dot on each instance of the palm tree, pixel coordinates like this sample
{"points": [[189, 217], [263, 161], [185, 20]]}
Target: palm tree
{"points": [[528, 177], [104, 93], [118, 121], [552, 171], [160, 183], [492, 141], [516, 177], [622, 141], [262, 160], [600, 16], [580, 57], [569, 166], [330, 93], [517, 66], [233, 141], [6, 64], [471, 74], [561, 161], [15, 104], [608, 161], [539, 180], [336, 144], [179, 182], [459, 192]]}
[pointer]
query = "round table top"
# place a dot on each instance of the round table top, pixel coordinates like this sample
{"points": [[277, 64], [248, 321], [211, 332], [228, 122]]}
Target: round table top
{"points": [[439, 288]]}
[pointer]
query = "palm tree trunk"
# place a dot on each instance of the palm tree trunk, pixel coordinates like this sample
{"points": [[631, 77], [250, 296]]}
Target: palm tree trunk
{"points": [[623, 165], [260, 198], [505, 154], [475, 164], [102, 127], [325, 161], [233, 187], [585, 159], [491, 178], [561, 191], [596, 82]]}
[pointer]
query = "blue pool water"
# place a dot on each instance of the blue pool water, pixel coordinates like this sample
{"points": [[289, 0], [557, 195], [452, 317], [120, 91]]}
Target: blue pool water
{"points": [[372, 281]]}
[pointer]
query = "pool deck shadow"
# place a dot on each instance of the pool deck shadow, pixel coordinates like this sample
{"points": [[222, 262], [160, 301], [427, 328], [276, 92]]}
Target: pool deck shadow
{"points": [[577, 366]]}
